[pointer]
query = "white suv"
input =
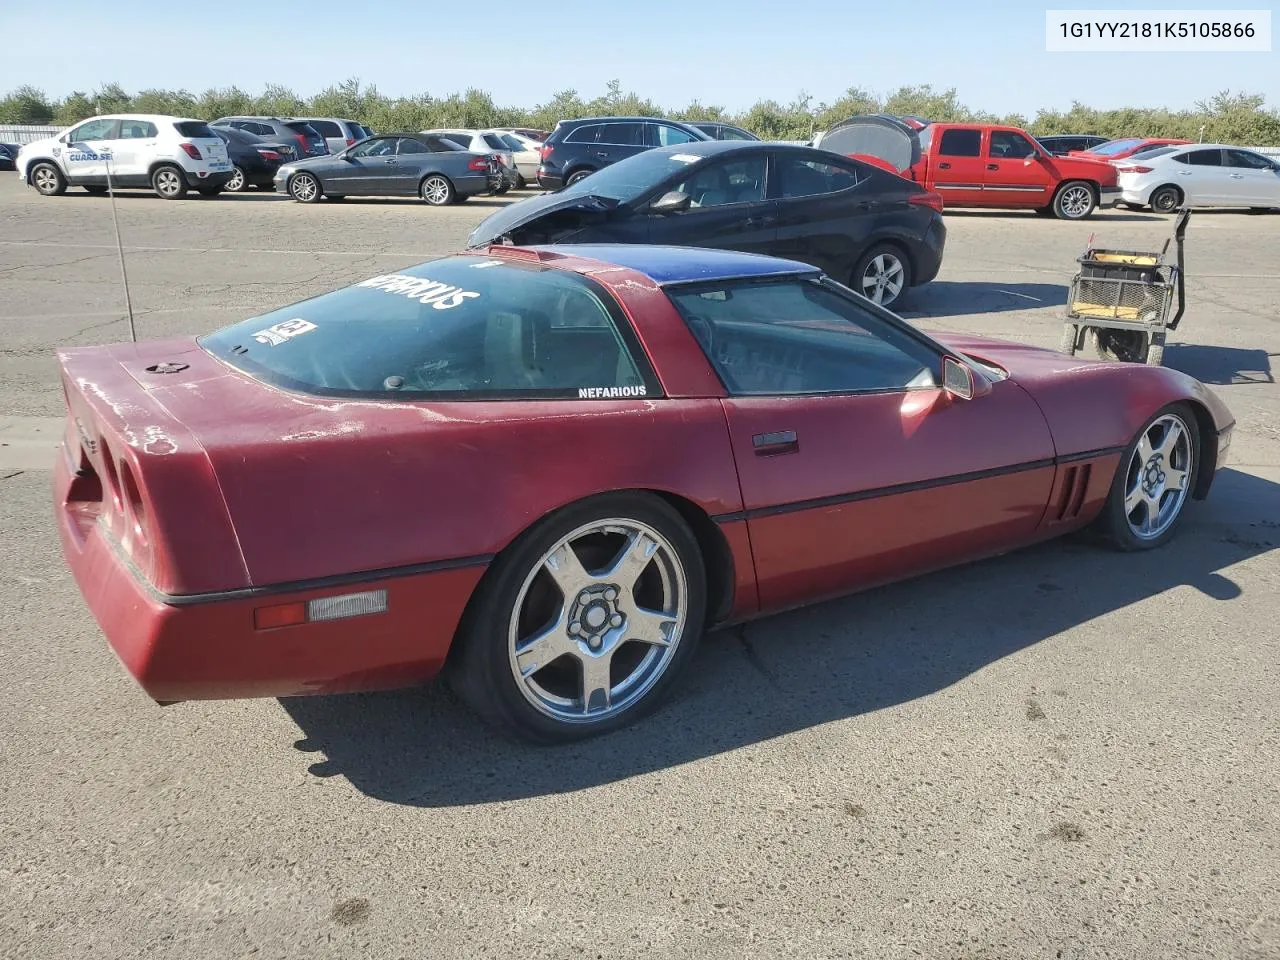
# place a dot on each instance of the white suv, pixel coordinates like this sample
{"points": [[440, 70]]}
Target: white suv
{"points": [[166, 154]]}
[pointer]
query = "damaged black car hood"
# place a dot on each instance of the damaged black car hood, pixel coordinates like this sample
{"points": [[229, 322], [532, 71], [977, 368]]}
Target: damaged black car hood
{"points": [[526, 212]]}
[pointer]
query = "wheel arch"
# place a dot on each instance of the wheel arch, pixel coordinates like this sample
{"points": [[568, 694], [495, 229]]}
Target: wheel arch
{"points": [[164, 162], [717, 557], [1208, 459], [1182, 194], [887, 239]]}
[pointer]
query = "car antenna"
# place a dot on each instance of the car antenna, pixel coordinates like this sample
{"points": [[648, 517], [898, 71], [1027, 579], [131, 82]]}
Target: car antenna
{"points": [[115, 222]]}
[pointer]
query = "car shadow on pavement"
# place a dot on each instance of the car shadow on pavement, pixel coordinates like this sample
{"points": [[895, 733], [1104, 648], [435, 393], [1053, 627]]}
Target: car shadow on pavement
{"points": [[1108, 214], [1221, 365], [950, 298], [794, 671]]}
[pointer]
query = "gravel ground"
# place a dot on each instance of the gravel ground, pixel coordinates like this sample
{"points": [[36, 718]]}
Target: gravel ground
{"points": [[1061, 753]]}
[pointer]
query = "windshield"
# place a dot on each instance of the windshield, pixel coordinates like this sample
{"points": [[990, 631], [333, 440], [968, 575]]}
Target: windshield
{"points": [[462, 328], [631, 178], [1116, 146]]}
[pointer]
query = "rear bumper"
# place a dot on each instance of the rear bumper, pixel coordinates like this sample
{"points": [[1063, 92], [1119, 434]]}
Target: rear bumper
{"points": [[480, 183], [1108, 196], [207, 647], [928, 253], [204, 180], [549, 181]]}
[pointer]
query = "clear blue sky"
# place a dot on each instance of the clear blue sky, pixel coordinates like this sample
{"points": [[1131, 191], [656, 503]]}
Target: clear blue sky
{"points": [[725, 52]]}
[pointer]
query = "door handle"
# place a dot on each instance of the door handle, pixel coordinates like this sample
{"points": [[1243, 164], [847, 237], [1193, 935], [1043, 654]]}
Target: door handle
{"points": [[602, 155], [1237, 176], [1184, 173], [993, 166], [388, 161], [760, 221], [944, 166], [772, 444]]}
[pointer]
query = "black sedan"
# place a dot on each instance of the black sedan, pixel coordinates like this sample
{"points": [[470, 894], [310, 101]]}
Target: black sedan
{"points": [[8, 154], [874, 230], [255, 159], [393, 165]]}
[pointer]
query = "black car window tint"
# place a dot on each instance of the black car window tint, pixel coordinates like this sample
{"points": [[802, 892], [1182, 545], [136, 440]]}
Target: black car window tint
{"points": [[457, 328], [733, 133], [1248, 160], [1204, 158], [326, 128], [587, 133], [623, 134], [798, 177], [1007, 145], [799, 337], [409, 146], [960, 143], [494, 142], [441, 145], [721, 184]]}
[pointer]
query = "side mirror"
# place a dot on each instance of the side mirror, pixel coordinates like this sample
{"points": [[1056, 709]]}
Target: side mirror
{"points": [[673, 201], [960, 380]]}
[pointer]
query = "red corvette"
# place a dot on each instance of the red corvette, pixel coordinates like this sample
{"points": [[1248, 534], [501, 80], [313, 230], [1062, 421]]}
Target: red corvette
{"points": [[548, 470]]}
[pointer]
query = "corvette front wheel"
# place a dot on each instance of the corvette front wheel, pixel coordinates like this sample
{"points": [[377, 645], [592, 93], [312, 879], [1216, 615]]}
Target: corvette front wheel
{"points": [[1153, 482], [582, 625]]}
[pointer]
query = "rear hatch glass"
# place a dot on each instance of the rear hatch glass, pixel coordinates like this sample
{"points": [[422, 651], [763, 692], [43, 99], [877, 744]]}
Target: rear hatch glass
{"points": [[307, 130], [195, 129], [462, 327]]}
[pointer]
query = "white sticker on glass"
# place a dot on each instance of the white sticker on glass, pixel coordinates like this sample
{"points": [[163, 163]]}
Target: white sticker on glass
{"points": [[441, 296], [278, 333]]}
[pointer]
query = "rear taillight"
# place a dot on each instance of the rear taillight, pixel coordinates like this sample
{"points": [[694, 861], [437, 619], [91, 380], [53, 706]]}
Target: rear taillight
{"points": [[545, 151], [269, 154], [479, 163], [930, 199], [351, 141], [1134, 169], [302, 142], [191, 150]]}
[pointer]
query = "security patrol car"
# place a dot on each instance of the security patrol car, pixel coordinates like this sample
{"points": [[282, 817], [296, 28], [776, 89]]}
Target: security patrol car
{"points": [[166, 154]]}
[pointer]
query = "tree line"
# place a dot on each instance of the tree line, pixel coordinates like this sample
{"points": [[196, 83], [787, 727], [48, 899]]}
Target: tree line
{"points": [[1240, 118]]}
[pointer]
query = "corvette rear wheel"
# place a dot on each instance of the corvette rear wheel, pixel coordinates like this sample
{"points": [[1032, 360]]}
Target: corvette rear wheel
{"points": [[1153, 482], [583, 624]]}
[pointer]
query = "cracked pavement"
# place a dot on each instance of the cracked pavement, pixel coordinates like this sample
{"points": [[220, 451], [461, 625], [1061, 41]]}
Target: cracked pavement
{"points": [[1062, 753]]}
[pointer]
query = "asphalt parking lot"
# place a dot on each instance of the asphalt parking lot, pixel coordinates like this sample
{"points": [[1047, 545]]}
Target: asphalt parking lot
{"points": [[1061, 753]]}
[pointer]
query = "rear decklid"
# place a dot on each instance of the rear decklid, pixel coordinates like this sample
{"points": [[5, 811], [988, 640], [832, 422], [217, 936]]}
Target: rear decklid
{"points": [[894, 143]]}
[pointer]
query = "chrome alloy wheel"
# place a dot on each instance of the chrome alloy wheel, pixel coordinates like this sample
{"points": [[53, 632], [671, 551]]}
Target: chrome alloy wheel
{"points": [[598, 620], [435, 190], [45, 179], [882, 279], [168, 182], [1076, 201], [304, 187], [1158, 477], [236, 183]]}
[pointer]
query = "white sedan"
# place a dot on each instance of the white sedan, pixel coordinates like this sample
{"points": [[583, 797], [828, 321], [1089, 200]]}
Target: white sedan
{"points": [[1200, 175]]}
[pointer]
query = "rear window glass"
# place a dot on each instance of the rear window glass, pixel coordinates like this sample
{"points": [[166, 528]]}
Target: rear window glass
{"points": [[195, 129], [1116, 146], [326, 128], [960, 143], [303, 128], [460, 328], [494, 142]]}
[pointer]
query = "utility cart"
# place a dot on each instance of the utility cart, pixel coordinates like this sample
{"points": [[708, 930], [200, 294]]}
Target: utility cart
{"points": [[1121, 300]]}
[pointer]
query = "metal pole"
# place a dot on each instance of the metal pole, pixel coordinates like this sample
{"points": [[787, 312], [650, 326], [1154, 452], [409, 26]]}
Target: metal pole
{"points": [[124, 275]]}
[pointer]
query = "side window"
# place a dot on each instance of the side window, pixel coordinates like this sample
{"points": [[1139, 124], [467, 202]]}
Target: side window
{"points": [[1005, 144], [262, 129], [326, 128], [1247, 159], [799, 337], [137, 130], [95, 130], [742, 181], [622, 134], [406, 146], [960, 143], [1202, 158], [378, 147], [494, 142], [733, 133], [441, 145], [669, 136], [808, 178], [588, 133]]}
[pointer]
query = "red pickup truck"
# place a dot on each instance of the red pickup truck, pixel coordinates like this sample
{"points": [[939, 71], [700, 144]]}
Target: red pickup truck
{"points": [[978, 164]]}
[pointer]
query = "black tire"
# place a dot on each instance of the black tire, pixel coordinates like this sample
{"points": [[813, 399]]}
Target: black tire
{"points": [[1070, 201], [1070, 338], [95, 189], [576, 176], [502, 189], [239, 181], [1044, 211], [437, 190], [335, 196], [47, 179], [1165, 199], [169, 182], [305, 187], [208, 191], [480, 666], [1127, 346], [462, 198], [882, 293], [1113, 523]]}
